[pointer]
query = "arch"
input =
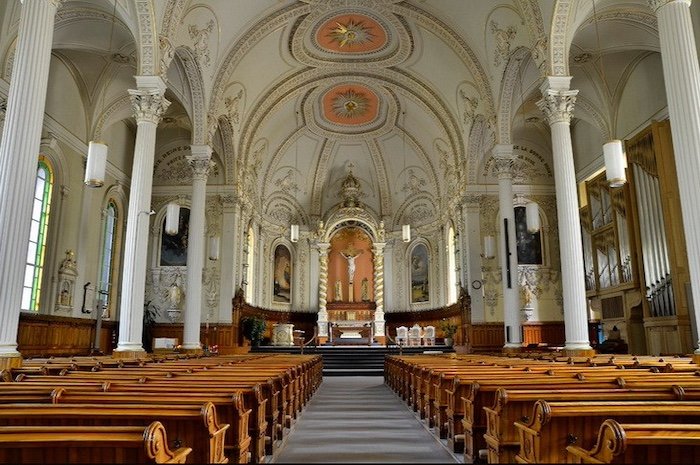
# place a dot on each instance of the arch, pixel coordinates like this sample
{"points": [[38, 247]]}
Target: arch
{"points": [[200, 132], [505, 113], [147, 40]]}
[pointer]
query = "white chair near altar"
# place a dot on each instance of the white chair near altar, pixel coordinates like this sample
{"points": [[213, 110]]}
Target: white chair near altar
{"points": [[401, 335], [414, 335], [429, 336]]}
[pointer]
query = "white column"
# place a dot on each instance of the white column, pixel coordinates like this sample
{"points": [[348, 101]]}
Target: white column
{"points": [[472, 248], [261, 288], [503, 157], [378, 251], [323, 248], [227, 257], [200, 161], [682, 77], [149, 105], [557, 104], [19, 153]]}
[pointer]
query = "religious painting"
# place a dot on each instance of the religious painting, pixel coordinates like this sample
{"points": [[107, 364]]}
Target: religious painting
{"points": [[173, 249], [420, 290], [529, 245], [282, 285]]}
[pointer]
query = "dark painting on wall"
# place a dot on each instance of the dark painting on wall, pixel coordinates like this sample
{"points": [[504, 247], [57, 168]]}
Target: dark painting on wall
{"points": [[420, 289], [282, 284], [173, 249], [529, 245]]}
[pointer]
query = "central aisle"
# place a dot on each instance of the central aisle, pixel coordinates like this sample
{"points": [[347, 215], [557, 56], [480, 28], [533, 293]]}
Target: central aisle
{"points": [[359, 420]]}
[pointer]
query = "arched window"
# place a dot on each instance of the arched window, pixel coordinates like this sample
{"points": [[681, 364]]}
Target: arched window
{"points": [[36, 251], [451, 267], [250, 253], [107, 256]]}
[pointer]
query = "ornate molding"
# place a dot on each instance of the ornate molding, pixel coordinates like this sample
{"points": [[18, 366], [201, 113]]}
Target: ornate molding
{"points": [[558, 105], [147, 38], [558, 43], [655, 5]]}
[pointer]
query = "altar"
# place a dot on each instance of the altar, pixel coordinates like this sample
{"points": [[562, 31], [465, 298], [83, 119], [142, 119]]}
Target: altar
{"points": [[351, 331]]}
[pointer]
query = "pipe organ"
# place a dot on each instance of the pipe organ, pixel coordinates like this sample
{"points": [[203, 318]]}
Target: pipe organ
{"points": [[635, 260]]}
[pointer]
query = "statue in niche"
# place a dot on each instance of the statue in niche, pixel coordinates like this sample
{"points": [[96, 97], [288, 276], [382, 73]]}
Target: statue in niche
{"points": [[175, 293], [65, 299], [364, 290]]}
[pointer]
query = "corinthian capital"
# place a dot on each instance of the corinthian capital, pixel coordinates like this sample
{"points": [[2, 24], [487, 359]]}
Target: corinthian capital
{"points": [[200, 167], [503, 160], [149, 105], [558, 105], [655, 5]]}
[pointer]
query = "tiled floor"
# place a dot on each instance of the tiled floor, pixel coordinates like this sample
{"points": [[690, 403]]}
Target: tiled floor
{"points": [[359, 420]]}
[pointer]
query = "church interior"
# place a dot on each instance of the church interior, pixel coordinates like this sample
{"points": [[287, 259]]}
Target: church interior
{"points": [[478, 212]]}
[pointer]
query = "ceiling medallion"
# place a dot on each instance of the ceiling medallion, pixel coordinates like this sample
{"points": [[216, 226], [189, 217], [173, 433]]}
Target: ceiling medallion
{"points": [[352, 33], [350, 104]]}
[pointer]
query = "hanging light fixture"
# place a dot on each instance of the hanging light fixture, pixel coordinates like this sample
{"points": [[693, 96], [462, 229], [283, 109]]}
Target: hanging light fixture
{"points": [[214, 242], [532, 217], [294, 233], [489, 247], [613, 152], [172, 218], [406, 232], [97, 150]]}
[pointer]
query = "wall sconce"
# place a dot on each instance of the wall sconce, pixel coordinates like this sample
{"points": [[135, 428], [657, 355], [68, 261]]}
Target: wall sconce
{"points": [[172, 218], [615, 163], [489, 247], [96, 164], [532, 217], [294, 233], [406, 232], [214, 242]]}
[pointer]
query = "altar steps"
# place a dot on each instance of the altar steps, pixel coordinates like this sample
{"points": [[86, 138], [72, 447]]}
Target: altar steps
{"points": [[355, 360]]}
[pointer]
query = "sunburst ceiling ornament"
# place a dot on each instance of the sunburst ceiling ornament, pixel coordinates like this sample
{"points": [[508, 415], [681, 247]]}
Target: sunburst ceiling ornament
{"points": [[352, 33], [350, 104]]}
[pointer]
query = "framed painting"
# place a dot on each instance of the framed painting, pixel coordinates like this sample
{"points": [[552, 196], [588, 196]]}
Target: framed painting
{"points": [[173, 249], [282, 275], [529, 245], [420, 286]]}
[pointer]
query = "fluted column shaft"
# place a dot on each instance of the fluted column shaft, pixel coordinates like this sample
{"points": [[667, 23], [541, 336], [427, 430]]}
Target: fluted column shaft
{"points": [[378, 251], [19, 152], [557, 104], [200, 161], [149, 105], [503, 157], [323, 249], [682, 78]]}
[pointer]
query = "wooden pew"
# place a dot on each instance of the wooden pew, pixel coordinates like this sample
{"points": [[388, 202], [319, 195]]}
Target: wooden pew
{"points": [[552, 426], [641, 443], [229, 409], [511, 405], [88, 444], [187, 424]]}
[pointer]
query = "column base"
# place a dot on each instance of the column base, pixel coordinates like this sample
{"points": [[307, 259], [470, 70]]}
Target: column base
{"points": [[14, 361], [131, 354], [578, 352], [322, 339], [512, 349], [192, 351]]}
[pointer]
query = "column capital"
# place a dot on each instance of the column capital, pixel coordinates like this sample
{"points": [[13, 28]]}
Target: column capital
{"points": [[656, 5], [378, 248], [471, 199], [54, 3], [323, 247], [200, 161], [148, 104], [557, 105]]}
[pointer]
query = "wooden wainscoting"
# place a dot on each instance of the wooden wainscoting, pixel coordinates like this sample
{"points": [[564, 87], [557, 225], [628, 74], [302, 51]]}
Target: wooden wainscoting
{"points": [[488, 337], [221, 334], [547, 332], [50, 335]]}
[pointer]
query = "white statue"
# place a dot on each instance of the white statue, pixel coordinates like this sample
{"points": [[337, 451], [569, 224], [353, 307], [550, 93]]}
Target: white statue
{"points": [[350, 255], [175, 293]]}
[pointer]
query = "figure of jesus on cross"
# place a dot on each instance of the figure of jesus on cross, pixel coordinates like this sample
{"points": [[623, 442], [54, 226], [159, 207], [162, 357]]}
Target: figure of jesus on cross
{"points": [[350, 255]]}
